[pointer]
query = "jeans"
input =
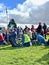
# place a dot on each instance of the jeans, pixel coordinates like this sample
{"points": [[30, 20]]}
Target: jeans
{"points": [[26, 44], [13, 41], [1, 42]]}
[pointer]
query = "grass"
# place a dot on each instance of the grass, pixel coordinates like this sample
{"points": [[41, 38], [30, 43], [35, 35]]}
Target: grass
{"points": [[33, 55], [47, 37]]}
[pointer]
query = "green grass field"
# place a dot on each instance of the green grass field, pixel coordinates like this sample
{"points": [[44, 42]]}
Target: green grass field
{"points": [[33, 55]]}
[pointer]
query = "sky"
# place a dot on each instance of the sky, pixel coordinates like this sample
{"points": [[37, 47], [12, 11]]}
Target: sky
{"points": [[22, 10], [11, 3]]}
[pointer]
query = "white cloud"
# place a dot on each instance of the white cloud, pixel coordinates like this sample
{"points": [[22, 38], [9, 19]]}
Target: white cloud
{"points": [[2, 7], [30, 4], [25, 7], [28, 11], [16, 12], [38, 2]]}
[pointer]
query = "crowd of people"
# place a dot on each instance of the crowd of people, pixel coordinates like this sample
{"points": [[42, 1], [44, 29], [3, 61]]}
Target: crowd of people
{"points": [[27, 36]]}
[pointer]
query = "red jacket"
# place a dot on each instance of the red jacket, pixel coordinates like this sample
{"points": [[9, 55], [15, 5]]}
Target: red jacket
{"points": [[32, 29], [1, 37]]}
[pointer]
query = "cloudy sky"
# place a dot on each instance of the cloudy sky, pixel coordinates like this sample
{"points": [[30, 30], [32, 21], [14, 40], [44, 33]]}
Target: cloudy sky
{"points": [[24, 11]]}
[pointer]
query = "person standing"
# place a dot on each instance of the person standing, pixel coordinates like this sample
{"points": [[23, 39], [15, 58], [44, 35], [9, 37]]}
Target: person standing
{"points": [[45, 29], [39, 28]]}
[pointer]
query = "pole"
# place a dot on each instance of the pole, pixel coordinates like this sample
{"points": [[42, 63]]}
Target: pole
{"points": [[7, 23]]}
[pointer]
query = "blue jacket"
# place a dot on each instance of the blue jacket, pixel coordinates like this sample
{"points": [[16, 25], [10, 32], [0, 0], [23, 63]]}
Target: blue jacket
{"points": [[40, 38], [12, 35]]}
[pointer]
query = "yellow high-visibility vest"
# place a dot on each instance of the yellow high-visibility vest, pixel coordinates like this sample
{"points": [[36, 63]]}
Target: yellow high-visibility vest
{"points": [[27, 38]]}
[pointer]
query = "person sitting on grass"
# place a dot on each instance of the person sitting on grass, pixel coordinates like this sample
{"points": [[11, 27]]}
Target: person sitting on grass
{"points": [[25, 40], [40, 39], [4, 31], [1, 38], [12, 38]]}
